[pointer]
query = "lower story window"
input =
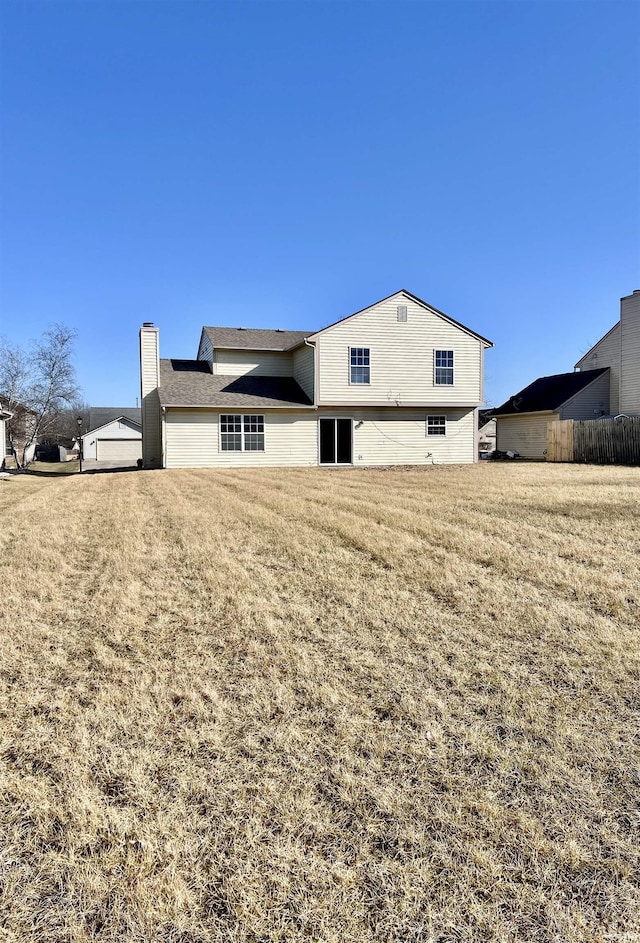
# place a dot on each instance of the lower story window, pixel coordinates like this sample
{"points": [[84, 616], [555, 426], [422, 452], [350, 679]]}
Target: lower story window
{"points": [[436, 425], [240, 433]]}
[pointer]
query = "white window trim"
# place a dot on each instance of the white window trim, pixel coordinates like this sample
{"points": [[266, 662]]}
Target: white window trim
{"points": [[242, 450], [439, 435], [357, 347], [452, 368]]}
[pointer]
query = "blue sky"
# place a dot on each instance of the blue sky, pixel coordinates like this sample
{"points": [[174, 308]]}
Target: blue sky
{"points": [[283, 164]]}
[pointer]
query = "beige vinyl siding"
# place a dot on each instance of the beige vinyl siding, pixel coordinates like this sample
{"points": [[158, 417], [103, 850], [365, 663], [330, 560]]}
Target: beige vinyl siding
{"points": [[385, 437], [630, 365], [192, 440], [525, 434], [606, 353], [399, 436], [589, 403], [150, 377], [303, 368], [402, 358], [263, 363], [205, 350]]}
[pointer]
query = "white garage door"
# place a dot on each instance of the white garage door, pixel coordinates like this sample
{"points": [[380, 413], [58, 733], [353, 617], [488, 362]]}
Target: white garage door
{"points": [[119, 450]]}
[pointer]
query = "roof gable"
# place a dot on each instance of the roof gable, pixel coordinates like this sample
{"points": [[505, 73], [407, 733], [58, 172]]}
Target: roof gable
{"points": [[135, 426], [406, 294], [100, 415], [548, 393]]}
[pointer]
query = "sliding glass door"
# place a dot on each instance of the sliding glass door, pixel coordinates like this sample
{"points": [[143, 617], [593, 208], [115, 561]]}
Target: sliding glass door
{"points": [[336, 442]]}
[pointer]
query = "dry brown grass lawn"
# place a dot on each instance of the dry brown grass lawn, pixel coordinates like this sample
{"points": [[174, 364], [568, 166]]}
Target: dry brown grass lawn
{"points": [[383, 705]]}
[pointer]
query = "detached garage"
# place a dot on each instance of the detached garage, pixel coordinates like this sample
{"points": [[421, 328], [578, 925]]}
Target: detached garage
{"points": [[127, 451], [116, 439]]}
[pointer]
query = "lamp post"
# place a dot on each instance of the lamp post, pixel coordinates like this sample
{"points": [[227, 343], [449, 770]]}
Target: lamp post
{"points": [[79, 421]]}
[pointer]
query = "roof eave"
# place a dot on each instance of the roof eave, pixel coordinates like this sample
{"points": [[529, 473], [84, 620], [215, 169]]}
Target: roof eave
{"points": [[134, 422], [234, 405], [528, 412]]}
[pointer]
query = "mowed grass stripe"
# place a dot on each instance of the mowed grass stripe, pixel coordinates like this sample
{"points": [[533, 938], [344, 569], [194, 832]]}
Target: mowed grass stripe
{"points": [[428, 543], [264, 725]]}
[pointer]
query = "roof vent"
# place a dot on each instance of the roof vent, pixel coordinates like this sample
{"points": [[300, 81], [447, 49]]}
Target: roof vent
{"points": [[636, 291], [147, 324], [241, 329], [279, 330]]}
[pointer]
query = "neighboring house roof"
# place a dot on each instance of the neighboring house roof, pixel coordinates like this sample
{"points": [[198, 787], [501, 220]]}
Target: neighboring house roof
{"points": [[15, 406], [101, 415], [548, 393], [131, 422], [191, 383], [424, 304], [249, 338]]}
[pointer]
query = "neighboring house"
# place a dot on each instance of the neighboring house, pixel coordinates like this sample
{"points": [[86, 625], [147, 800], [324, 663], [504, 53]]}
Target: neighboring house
{"points": [[398, 382], [18, 429], [486, 431], [5, 416], [522, 420], [607, 383], [619, 350], [115, 435]]}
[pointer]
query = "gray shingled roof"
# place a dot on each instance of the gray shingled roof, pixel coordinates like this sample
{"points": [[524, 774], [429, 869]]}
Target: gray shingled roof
{"points": [[547, 393], [241, 338], [101, 415], [191, 383]]}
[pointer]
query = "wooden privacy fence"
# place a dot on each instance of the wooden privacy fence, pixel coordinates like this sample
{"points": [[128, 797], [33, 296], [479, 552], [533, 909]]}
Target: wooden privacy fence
{"points": [[560, 441], [600, 441]]}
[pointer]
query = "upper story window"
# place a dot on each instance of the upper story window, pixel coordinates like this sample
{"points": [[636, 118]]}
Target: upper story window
{"points": [[240, 433], [360, 365], [443, 374]]}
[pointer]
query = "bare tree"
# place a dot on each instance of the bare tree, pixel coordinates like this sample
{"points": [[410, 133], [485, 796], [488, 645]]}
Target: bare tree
{"points": [[36, 386], [64, 428]]}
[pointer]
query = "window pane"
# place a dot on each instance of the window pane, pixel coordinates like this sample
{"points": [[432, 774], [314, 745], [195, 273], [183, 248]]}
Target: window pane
{"points": [[444, 367], [436, 425], [254, 442], [359, 358], [444, 358], [253, 424], [360, 374], [231, 442], [327, 441], [229, 423]]}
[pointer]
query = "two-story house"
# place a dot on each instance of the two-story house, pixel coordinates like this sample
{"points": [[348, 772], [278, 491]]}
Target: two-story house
{"points": [[396, 383]]}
